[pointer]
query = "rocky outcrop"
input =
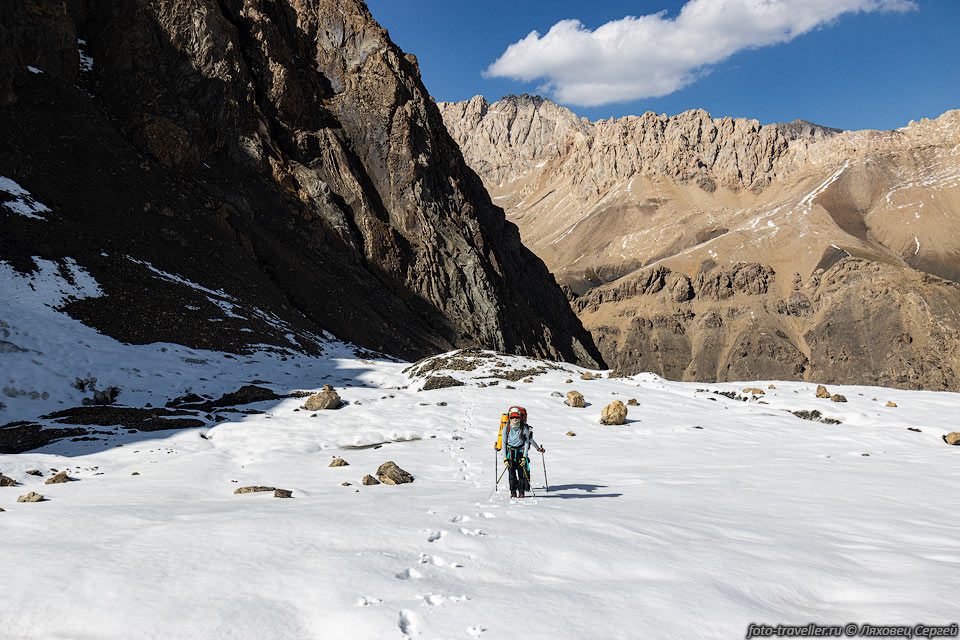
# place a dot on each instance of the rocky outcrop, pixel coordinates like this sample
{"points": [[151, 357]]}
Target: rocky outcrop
{"points": [[390, 473], [278, 168], [327, 399], [574, 399], [706, 248]]}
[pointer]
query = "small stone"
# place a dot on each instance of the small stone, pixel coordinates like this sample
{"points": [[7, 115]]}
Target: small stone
{"points": [[556, 394], [7, 481], [339, 462], [282, 493], [509, 387], [586, 376], [575, 399], [441, 404], [254, 489], [570, 433], [370, 480], [822, 391], [614, 413], [2, 509], [60, 478], [952, 438], [632, 402], [772, 386], [34, 472], [891, 404], [31, 497], [865, 454], [754, 391], [528, 380], [346, 484], [838, 398], [568, 380], [913, 429], [390, 473], [136, 473]]}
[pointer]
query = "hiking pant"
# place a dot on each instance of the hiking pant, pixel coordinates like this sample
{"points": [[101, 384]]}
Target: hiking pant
{"points": [[517, 471]]}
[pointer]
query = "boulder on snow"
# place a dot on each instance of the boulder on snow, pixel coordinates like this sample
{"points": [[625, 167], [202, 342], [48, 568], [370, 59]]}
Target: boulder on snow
{"points": [[60, 478], [586, 376], [254, 489], [568, 381], [34, 472], [632, 402], [952, 438], [441, 382], [527, 380], [390, 473], [771, 387], [570, 433], [31, 497], [339, 462], [614, 413], [838, 398], [369, 480], [7, 481], [282, 493], [574, 399], [822, 391], [891, 404], [328, 399], [753, 391]]}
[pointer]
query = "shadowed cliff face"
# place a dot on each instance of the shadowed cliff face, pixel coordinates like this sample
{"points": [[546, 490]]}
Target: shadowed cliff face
{"points": [[718, 249], [284, 153]]}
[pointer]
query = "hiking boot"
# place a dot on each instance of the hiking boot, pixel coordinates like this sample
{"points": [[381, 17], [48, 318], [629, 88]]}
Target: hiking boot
{"points": [[521, 495], [513, 495]]}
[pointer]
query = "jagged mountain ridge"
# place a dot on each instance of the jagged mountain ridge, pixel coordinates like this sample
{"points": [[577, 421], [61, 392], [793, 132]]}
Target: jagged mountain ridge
{"points": [[614, 205], [285, 154]]}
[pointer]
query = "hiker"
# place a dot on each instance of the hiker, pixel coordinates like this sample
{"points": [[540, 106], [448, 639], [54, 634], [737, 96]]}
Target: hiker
{"points": [[517, 438]]}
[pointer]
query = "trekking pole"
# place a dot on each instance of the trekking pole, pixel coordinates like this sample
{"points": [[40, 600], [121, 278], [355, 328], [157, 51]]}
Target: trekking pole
{"points": [[543, 459], [496, 457], [498, 481]]}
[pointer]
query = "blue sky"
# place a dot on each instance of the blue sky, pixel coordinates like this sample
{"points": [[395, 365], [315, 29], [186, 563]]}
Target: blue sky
{"points": [[853, 64]]}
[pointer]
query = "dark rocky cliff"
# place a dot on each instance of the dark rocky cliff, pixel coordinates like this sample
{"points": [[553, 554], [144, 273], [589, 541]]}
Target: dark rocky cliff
{"points": [[285, 154]]}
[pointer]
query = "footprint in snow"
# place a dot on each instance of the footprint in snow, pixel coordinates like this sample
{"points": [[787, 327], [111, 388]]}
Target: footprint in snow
{"points": [[407, 574], [368, 602], [438, 562], [472, 532], [407, 623], [436, 535], [459, 518], [475, 631]]}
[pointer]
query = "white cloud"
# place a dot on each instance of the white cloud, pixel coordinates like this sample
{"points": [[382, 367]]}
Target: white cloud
{"points": [[651, 56]]}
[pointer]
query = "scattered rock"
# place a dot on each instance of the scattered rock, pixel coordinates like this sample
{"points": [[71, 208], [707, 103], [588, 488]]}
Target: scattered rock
{"points": [[441, 382], [568, 380], [574, 399], [339, 462], [838, 398], [282, 493], [254, 489], [772, 387], [614, 413], [913, 429], [370, 480], [632, 402], [60, 478], [346, 484], [865, 454], [441, 404], [34, 472], [1, 509], [570, 433], [891, 404], [136, 473], [326, 399], [327, 387], [390, 473], [815, 416], [952, 438], [754, 391], [528, 380], [31, 497], [822, 391], [586, 376], [509, 387]]}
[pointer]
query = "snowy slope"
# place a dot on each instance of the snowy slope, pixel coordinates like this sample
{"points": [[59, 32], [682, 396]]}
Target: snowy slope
{"points": [[652, 529]]}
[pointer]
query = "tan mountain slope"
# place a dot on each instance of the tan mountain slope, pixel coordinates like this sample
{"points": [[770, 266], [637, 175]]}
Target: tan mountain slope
{"points": [[825, 237]]}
